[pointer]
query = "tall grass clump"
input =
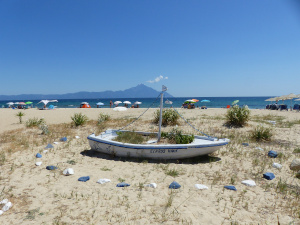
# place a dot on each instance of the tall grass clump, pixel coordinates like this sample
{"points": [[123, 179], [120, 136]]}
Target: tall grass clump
{"points": [[237, 116], [79, 119], [130, 137], [103, 117], [20, 115], [261, 133], [35, 122], [169, 117], [176, 137]]}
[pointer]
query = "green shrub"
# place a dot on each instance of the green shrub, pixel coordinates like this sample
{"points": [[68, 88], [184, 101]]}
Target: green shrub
{"points": [[237, 116], [79, 119], [130, 137], [261, 133], [35, 122], [169, 117], [20, 115], [296, 150], [176, 137], [103, 117]]}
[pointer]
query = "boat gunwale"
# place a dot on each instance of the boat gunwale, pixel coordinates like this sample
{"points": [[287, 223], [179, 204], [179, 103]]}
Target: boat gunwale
{"points": [[170, 146]]}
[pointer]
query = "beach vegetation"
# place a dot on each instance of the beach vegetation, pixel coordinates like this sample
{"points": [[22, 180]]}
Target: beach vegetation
{"points": [[296, 150], [176, 137], [79, 119], [172, 172], [261, 133], [44, 128], [237, 116], [105, 169], [103, 117], [72, 162], [35, 122], [130, 137], [121, 179], [169, 117], [20, 115]]}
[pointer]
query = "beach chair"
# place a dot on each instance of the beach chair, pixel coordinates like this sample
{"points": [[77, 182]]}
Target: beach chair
{"points": [[296, 107], [228, 106], [283, 107]]}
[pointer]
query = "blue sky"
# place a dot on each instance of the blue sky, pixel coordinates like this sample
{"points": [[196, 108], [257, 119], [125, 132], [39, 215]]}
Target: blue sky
{"points": [[195, 48]]}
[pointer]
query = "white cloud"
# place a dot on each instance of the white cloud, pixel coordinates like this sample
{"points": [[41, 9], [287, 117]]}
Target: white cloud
{"points": [[157, 79]]}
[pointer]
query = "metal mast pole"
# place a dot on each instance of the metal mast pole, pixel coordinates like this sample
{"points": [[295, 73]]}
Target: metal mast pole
{"points": [[160, 112]]}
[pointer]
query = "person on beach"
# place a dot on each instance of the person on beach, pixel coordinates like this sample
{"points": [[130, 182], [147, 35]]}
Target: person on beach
{"points": [[110, 103]]}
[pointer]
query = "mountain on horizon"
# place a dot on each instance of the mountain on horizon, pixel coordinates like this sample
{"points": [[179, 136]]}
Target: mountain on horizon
{"points": [[140, 91]]}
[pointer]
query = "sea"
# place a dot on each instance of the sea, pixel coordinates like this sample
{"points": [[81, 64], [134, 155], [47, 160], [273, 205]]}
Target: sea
{"points": [[214, 102]]}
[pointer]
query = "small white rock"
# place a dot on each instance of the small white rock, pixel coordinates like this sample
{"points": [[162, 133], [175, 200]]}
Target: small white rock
{"points": [[68, 172], [55, 143], [4, 201], [45, 151], [250, 183], [38, 163], [7, 206], [201, 187], [277, 165], [152, 185], [77, 137], [1, 212], [259, 148], [103, 181]]}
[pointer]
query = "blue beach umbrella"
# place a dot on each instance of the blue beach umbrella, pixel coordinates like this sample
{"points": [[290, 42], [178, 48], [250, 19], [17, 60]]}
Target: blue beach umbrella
{"points": [[235, 102], [205, 100], [100, 103]]}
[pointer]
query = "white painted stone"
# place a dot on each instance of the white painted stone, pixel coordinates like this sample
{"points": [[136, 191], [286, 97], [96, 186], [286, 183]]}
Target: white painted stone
{"points": [[1, 212], [277, 165], [201, 187], [45, 151], [77, 137], [152, 185], [7, 206], [56, 143], [68, 172], [4, 201], [250, 183], [259, 148], [103, 181], [38, 163]]}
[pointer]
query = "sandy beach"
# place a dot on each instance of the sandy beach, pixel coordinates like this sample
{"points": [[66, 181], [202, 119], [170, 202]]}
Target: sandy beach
{"points": [[40, 196]]}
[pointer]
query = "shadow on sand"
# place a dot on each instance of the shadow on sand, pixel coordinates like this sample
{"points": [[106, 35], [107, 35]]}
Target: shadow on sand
{"points": [[194, 160]]}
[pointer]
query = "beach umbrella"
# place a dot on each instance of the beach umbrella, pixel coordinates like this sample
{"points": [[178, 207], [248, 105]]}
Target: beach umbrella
{"points": [[22, 103], [127, 102], [100, 103], [235, 102], [16, 103], [270, 99], [47, 101], [28, 103], [189, 101], [168, 102], [137, 103], [205, 100], [10, 103], [120, 109], [195, 100], [117, 102]]}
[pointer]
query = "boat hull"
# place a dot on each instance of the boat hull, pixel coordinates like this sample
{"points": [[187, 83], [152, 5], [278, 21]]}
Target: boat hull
{"points": [[201, 146]]}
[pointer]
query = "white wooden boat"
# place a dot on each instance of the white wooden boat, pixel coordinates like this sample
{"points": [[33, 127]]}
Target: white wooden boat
{"points": [[201, 145]]}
